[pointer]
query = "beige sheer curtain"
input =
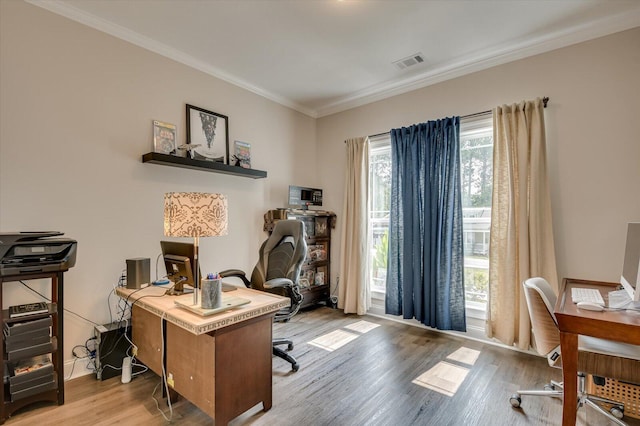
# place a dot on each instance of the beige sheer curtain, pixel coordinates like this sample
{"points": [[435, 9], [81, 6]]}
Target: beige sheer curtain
{"points": [[354, 294], [521, 243]]}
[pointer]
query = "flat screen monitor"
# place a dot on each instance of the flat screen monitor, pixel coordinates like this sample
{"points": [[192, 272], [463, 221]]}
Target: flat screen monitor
{"points": [[630, 279], [179, 260], [304, 197]]}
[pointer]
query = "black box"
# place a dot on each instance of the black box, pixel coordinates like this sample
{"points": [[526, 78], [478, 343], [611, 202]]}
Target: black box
{"points": [[111, 347]]}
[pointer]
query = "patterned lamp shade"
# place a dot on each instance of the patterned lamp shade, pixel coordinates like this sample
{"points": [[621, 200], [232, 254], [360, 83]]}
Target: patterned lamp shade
{"points": [[194, 214]]}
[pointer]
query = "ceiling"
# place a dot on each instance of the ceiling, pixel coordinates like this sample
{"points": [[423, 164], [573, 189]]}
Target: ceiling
{"points": [[324, 56]]}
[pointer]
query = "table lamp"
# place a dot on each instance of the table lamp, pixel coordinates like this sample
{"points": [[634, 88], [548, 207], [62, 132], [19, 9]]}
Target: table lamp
{"points": [[195, 214]]}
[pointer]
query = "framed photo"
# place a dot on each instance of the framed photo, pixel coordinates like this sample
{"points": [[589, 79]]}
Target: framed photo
{"points": [[321, 276], [208, 133], [164, 137], [242, 154]]}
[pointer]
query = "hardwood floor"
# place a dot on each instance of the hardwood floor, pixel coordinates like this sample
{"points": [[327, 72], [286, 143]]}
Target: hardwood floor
{"points": [[368, 381]]}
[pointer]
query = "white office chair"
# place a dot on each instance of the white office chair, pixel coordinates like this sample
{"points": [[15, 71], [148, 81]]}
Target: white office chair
{"points": [[596, 356]]}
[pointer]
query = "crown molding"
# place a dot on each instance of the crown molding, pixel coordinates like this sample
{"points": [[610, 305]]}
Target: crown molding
{"points": [[147, 43], [487, 59], [481, 61]]}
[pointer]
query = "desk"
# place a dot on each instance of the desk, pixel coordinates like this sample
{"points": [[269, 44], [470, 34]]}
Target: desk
{"points": [[612, 325], [221, 363]]}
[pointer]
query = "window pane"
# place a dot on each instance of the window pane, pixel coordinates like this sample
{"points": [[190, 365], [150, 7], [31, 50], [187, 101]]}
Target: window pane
{"points": [[379, 202], [476, 161]]}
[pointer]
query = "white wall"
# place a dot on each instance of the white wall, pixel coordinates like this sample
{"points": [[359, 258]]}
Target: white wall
{"points": [[76, 109], [593, 135]]}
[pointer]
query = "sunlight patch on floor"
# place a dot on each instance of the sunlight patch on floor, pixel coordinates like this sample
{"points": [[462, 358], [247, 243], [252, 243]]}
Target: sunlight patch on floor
{"points": [[444, 378], [362, 326], [333, 340], [338, 338], [465, 356]]}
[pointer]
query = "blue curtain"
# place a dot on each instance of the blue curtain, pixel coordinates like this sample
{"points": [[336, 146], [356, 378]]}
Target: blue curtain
{"points": [[425, 278]]}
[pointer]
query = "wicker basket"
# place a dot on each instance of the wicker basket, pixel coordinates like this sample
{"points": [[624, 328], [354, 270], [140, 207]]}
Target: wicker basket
{"points": [[624, 393]]}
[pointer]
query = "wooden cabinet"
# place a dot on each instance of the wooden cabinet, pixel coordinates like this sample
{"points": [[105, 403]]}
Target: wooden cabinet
{"points": [[44, 385], [314, 281]]}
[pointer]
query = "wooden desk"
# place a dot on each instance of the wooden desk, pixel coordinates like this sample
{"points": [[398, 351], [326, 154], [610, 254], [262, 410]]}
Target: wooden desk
{"points": [[221, 363], [612, 325]]}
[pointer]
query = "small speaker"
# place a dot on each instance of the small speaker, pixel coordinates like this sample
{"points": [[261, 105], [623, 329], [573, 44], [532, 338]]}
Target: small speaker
{"points": [[138, 272]]}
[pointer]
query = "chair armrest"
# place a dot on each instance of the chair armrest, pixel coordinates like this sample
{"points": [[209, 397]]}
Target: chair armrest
{"points": [[278, 282], [237, 273]]}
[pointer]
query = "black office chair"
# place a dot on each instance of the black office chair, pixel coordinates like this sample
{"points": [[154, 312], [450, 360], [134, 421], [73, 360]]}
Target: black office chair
{"points": [[277, 271]]}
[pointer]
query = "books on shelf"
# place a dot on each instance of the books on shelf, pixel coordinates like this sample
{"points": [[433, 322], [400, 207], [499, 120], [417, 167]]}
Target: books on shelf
{"points": [[27, 309], [242, 153]]}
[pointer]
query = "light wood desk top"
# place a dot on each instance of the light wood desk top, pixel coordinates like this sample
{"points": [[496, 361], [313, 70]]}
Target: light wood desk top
{"points": [[621, 326], [152, 299]]}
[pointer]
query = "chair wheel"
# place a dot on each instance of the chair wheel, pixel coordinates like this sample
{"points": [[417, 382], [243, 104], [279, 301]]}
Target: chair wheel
{"points": [[549, 387], [515, 400], [290, 347], [617, 411], [295, 367]]}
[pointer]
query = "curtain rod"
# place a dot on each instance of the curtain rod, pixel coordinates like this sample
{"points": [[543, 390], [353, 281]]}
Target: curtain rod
{"points": [[545, 100]]}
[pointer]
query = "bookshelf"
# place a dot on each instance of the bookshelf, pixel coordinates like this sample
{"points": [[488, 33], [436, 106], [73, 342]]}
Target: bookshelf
{"points": [[10, 401]]}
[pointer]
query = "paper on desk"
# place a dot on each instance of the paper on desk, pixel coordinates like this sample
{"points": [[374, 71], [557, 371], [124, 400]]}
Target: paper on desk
{"points": [[620, 299]]}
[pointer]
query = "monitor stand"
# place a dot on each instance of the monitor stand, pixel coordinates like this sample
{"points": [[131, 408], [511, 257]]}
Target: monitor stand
{"points": [[179, 290]]}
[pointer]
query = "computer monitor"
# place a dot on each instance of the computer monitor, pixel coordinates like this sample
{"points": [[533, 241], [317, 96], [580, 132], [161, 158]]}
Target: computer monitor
{"points": [[179, 261], [630, 279]]}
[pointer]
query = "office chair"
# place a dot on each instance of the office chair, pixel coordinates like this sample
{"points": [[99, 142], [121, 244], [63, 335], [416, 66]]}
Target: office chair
{"points": [[277, 271], [596, 356]]}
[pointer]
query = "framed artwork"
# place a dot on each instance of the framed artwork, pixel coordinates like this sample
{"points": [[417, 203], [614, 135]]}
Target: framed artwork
{"points": [[208, 134], [242, 154], [320, 276], [164, 137]]}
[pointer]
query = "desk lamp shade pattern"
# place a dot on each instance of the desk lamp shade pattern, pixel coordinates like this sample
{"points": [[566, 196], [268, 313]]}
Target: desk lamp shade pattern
{"points": [[195, 214]]}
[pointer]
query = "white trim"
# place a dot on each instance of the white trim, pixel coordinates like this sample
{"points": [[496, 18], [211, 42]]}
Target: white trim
{"points": [[487, 59], [475, 331], [139, 40], [482, 60]]}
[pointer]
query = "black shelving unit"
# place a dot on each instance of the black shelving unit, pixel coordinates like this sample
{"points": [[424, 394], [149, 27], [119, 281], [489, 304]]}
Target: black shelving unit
{"points": [[56, 395], [205, 165]]}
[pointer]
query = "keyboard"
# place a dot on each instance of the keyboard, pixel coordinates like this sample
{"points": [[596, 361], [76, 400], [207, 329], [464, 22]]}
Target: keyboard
{"points": [[586, 295]]}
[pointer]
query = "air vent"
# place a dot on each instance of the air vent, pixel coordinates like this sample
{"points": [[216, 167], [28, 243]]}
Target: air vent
{"points": [[409, 61]]}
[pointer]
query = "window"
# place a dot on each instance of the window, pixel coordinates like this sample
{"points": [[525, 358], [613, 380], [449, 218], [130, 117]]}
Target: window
{"points": [[476, 161], [379, 204], [476, 158]]}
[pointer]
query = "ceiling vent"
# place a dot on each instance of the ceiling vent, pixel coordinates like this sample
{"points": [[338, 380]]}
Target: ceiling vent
{"points": [[409, 61]]}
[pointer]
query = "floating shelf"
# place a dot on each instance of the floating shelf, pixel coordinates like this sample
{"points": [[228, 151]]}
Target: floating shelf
{"points": [[208, 166]]}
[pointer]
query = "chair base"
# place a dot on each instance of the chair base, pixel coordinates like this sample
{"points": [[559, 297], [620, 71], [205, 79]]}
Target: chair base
{"points": [[555, 389], [284, 355]]}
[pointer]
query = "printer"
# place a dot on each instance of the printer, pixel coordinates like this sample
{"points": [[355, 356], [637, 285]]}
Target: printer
{"points": [[35, 252]]}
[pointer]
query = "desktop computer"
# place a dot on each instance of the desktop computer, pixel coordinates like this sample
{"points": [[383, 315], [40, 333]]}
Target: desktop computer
{"points": [[630, 278], [111, 348]]}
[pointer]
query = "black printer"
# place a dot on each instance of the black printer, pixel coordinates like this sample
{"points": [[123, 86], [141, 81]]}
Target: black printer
{"points": [[35, 252]]}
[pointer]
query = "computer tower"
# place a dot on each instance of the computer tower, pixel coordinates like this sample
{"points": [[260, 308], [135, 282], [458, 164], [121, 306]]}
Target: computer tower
{"points": [[111, 347]]}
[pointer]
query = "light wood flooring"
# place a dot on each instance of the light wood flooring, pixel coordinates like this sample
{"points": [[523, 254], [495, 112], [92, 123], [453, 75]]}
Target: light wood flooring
{"points": [[368, 381]]}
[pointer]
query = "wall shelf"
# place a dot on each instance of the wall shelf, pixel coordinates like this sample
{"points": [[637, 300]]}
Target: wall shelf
{"points": [[209, 166]]}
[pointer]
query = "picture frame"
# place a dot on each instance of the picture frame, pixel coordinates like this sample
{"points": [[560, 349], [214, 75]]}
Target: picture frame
{"points": [[208, 133], [320, 277], [164, 137], [242, 154]]}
